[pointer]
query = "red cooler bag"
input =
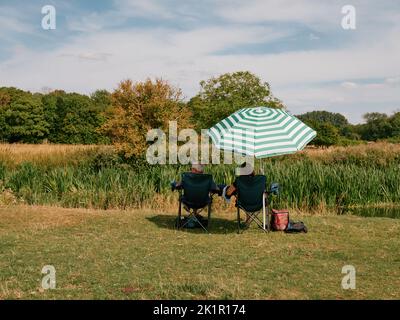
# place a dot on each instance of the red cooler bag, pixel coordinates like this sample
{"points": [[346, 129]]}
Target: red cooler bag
{"points": [[280, 219]]}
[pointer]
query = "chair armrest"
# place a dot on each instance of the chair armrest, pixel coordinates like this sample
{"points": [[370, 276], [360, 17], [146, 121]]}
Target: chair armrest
{"points": [[175, 186], [274, 188]]}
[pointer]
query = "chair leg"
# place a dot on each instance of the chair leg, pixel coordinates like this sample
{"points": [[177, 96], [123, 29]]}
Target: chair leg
{"points": [[194, 215], [253, 218], [209, 216], [264, 212], [238, 219], [267, 213], [179, 215]]}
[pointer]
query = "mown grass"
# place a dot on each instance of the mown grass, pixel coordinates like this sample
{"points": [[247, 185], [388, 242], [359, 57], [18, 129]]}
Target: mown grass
{"points": [[135, 254]]}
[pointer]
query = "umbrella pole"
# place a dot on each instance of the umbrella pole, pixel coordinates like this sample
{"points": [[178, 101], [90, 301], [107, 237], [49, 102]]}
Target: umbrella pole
{"points": [[264, 210], [264, 197], [261, 167]]}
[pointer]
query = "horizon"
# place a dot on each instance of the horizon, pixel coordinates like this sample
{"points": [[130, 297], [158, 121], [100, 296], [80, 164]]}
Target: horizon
{"points": [[310, 61]]}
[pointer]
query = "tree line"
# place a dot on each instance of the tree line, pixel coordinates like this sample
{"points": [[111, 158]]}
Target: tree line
{"points": [[57, 117], [123, 116]]}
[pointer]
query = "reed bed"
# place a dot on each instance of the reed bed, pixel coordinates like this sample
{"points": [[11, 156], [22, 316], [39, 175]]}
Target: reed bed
{"points": [[94, 177]]}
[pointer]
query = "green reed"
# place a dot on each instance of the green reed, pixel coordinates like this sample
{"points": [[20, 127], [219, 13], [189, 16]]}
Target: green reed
{"points": [[305, 183]]}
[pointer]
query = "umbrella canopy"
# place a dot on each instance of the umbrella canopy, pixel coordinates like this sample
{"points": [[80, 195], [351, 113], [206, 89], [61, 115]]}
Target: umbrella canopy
{"points": [[261, 132]]}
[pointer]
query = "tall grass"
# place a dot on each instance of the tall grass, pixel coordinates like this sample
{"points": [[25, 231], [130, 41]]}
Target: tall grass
{"points": [[312, 180], [12, 155]]}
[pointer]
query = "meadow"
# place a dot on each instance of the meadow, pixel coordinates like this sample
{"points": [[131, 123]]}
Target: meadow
{"points": [[137, 254], [52, 212], [315, 180]]}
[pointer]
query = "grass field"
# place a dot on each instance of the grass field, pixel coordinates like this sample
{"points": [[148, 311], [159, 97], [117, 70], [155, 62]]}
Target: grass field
{"points": [[131, 250], [137, 255]]}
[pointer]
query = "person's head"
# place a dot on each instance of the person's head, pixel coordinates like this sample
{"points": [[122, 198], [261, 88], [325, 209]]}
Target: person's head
{"points": [[246, 169], [197, 168]]}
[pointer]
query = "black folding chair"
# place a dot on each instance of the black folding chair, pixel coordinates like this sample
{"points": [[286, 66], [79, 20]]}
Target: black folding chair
{"points": [[195, 195], [251, 197]]}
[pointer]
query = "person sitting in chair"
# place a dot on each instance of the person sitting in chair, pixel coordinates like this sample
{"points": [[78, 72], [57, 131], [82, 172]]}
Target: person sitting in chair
{"points": [[246, 169], [197, 189], [196, 169]]}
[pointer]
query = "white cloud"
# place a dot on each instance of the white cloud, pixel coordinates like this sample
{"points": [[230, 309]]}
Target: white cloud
{"points": [[334, 97], [301, 11], [349, 85], [184, 57], [393, 81], [211, 39], [95, 56], [100, 58], [144, 8], [12, 22], [124, 9]]}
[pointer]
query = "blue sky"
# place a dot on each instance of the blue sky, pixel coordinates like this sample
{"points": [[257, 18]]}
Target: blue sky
{"points": [[298, 46]]}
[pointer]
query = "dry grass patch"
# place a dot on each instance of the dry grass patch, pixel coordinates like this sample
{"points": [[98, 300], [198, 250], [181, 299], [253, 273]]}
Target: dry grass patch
{"points": [[46, 154], [36, 218]]}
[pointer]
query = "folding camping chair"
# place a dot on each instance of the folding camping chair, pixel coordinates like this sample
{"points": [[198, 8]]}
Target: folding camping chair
{"points": [[195, 195], [251, 197]]}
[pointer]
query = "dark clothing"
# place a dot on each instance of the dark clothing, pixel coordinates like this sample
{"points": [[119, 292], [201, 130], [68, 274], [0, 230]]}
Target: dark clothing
{"points": [[214, 188], [232, 189]]}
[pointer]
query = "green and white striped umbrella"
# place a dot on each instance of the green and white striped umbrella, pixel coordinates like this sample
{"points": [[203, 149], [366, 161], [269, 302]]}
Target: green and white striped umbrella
{"points": [[261, 132]]}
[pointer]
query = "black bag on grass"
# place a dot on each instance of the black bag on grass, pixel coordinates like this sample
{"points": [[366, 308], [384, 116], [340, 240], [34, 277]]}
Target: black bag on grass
{"points": [[296, 227]]}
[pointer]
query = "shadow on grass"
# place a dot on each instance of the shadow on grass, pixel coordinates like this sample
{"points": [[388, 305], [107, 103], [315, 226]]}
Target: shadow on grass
{"points": [[216, 225]]}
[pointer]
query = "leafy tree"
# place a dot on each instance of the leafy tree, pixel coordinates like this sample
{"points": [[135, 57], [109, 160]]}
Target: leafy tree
{"points": [[223, 95], [56, 116], [377, 126], [101, 99], [139, 107], [380, 126], [50, 112], [5, 100], [77, 120], [336, 119], [395, 124], [323, 121], [22, 116], [327, 134]]}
